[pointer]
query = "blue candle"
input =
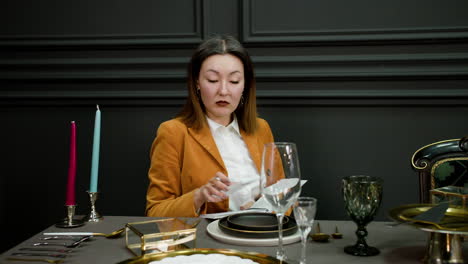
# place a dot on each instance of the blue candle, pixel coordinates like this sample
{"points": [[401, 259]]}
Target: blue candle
{"points": [[95, 157]]}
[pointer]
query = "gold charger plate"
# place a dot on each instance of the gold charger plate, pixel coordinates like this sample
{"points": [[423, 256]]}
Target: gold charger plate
{"points": [[455, 218], [257, 257]]}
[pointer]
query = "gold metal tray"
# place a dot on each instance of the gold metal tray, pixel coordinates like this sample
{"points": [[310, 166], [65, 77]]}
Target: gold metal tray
{"points": [[455, 219], [257, 257]]}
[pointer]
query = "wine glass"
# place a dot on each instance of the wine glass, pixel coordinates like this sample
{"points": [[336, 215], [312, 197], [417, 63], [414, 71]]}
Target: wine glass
{"points": [[304, 213], [362, 196], [280, 182]]}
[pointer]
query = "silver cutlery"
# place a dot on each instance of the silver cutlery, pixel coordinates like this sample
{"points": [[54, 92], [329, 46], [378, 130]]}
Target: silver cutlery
{"points": [[61, 238], [38, 254], [52, 261], [58, 250], [67, 245], [115, 234]]}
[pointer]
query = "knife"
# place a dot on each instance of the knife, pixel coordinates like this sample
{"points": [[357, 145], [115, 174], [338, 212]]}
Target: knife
{"points": [[62, 237], [39, 254], [58, 250]]}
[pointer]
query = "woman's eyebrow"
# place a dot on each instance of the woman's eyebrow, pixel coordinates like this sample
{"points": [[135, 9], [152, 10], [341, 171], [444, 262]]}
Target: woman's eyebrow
{"points": [[234, 72], [211, 70], [231, 73]]}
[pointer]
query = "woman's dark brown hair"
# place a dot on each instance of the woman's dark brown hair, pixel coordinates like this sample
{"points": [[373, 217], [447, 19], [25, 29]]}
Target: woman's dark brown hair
{"points": [[193, 112]]}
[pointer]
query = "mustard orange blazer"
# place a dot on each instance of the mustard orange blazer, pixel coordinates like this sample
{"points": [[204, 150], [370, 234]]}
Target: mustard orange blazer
{"points": [[184, 159]]}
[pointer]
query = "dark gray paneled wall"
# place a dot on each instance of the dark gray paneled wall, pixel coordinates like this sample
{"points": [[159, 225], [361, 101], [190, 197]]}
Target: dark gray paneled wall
{"points": [[358, 86]]}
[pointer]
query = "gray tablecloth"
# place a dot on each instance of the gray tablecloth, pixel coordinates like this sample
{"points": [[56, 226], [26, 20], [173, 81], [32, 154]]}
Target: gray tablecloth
{"points": [[401, 244]]}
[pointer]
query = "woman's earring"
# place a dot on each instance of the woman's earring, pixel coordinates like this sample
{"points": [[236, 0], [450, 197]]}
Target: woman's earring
{"points": [[242, 100]]}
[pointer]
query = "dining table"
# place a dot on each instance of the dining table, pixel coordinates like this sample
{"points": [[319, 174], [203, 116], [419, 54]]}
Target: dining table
{"points": [[397, 244]]}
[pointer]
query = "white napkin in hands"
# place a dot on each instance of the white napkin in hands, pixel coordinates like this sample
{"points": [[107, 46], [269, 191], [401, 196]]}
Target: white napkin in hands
{"points": [[260, 206]]}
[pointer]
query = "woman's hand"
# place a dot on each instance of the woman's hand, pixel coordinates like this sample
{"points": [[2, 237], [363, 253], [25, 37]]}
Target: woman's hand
{"points": [[212, 191]]}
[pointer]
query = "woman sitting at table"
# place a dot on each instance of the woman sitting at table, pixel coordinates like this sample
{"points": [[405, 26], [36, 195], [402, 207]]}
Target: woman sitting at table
{"points": [[214, 142]]}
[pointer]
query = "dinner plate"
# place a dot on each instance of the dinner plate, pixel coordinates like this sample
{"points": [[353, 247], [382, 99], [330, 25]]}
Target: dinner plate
{"points": [[455, 218], [204, 255], [255, 221], [289, 228], [214, 230]]}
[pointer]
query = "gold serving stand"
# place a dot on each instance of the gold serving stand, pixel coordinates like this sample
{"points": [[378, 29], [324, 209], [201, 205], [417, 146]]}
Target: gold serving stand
{"points": [[256, 257], [445, 242]]}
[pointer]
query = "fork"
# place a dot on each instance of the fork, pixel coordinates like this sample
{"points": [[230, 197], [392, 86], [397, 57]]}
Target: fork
{"points": [[52, 261], [72, 245]]}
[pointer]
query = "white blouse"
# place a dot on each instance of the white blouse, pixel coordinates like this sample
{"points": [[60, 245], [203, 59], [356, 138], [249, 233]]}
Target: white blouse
{"points": [[239, 164]]}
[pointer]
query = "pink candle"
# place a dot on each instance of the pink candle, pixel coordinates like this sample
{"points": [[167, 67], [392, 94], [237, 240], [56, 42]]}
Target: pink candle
{"points": [[72, 167]]}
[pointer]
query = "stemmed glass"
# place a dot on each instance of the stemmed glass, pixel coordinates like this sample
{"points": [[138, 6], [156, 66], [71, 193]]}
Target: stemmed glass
{"points": [[362, 196], [280, 182], [304, 213]]}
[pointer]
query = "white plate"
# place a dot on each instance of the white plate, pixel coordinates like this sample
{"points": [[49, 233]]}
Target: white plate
{"points": [[216, 233]]}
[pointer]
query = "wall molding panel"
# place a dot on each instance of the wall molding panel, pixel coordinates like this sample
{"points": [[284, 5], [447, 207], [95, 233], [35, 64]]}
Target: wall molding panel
{"points": [[176, 37], [366, 67], [161, 68], [301, 32], [290, 68], [285, 98], [91, 41]]}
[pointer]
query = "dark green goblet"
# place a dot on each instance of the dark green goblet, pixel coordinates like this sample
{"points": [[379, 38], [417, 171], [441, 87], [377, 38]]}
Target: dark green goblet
{"points": [[362, 196]]}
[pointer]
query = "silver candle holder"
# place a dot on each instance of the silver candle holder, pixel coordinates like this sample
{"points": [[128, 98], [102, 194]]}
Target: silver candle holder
{"points": [[93, 215], [70, 220]]}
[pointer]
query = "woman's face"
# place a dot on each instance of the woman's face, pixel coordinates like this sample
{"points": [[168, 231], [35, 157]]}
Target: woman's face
{"points": [[221, 83]]}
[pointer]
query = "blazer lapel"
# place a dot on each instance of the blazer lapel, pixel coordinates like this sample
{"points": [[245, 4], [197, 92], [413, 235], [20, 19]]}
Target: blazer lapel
{"points": [[254, 149], [205, 139]]}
